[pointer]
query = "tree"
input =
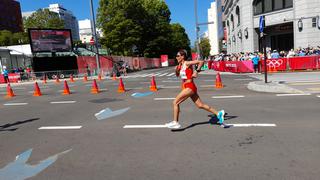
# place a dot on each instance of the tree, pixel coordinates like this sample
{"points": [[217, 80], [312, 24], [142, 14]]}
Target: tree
{"points": [[119, 20], [179, 39], [205, 47], [43, 18], [8, 38], [5, 38]]}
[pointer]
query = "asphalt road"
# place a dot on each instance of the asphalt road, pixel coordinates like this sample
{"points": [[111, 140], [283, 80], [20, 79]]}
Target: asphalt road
{"points": [[103, 149]]}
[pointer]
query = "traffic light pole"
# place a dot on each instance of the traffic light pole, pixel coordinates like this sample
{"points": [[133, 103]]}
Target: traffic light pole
{"points": [[94, 33]]}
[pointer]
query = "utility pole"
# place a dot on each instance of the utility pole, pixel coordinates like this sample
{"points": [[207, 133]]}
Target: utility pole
{"points": [[94, 33]]}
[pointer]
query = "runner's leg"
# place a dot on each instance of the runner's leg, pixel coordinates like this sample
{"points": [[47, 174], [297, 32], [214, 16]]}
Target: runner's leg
{"points": [[196, 99], [182, 96]]}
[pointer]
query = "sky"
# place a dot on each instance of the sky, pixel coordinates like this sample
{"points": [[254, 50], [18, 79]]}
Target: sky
{"points": [[182, 11]]}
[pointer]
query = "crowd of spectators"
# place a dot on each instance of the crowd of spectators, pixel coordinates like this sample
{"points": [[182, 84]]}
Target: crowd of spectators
{"points": [[271, 54]]}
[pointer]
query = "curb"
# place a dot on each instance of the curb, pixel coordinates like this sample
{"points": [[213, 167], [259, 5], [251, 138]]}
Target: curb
{"points": [[272, 87]]}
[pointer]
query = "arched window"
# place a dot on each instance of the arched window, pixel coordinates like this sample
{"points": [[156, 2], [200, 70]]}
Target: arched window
{"points": [[265, 6], [232, 22], [238, 15]]}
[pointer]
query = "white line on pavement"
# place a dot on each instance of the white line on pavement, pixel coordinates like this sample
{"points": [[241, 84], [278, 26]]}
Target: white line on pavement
{"points": [[172, 81], [63, 102], [59, 127], [163, 74], [221, 97], [15, 104], [244, 79], [143, 126], [169, 87], [171, 74], [252, 125], [318, 96], [307, 94], [161, 99], [207, 86]]}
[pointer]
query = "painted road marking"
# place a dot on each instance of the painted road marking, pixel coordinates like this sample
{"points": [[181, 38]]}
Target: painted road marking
{"points": [[144, 126], [63, 102], [304, 83], [204, 86], [163, 74], [15, 104], [59, 127], [212, 80], [170, 87], [163, 99], [318, 96], [171, 74], [172, 81], [314, 89], [244, 79], [108, 113], [307, 94], [251, 125], [221, 97]]}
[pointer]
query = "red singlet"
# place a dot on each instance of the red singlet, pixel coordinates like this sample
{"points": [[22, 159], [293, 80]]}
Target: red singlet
{"points": [[186, 76]]}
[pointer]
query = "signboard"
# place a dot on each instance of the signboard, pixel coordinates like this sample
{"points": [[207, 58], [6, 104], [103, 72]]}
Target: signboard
{"points": [[50, 40], [164, 61], [194, 56]]}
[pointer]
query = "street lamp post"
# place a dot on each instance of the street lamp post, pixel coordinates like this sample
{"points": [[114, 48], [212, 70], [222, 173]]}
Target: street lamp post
{"points": [[94, 33], [198, 28]]}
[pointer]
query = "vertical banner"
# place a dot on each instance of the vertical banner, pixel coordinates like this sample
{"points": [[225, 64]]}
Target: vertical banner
{"points": [[194, 56], [164, 61]]}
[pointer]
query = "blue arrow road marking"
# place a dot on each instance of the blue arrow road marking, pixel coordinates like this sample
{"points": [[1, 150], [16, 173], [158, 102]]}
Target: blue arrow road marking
{"points": [[108, 113], [138, 95], [19, 169]]}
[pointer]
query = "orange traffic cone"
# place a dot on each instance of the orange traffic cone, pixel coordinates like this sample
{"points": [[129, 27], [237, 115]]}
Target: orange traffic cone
{"points": [[85, 78], [218, 81], [71, 78], [57, 80], [44, 79], [114, 77], [37, 91], [66, 90], [121, 88], [9, 91], [95, 88], [153, 86], [99, 77]]}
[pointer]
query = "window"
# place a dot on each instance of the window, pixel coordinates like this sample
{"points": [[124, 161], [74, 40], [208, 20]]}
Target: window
{"points": [[267, 5], [277, 4], [288, 3], [238, 15], [258, 7], [314, 22], [232, 21]]}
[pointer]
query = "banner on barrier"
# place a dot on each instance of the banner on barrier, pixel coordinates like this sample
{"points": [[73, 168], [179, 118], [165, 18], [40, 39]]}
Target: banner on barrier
{"points": [[164, 61]]}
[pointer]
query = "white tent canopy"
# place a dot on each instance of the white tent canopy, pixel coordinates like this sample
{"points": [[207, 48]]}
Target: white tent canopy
{"points": [[24, 49]]}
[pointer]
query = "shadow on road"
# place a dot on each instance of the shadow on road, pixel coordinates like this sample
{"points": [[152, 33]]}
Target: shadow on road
{"points": [[7, 126], [212, 121]]}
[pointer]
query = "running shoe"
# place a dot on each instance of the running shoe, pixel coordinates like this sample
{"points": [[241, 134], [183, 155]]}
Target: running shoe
{"points": [[173, 125], [220, 116]]}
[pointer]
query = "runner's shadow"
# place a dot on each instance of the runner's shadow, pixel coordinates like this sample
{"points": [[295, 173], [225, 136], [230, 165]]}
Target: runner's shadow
{"points": [[6, 126], [212, 121]]}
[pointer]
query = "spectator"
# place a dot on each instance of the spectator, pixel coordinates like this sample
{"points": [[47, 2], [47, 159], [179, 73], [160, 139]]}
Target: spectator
{"points": [[275, 55], [291, 53], [5, 74], [255, 61]]}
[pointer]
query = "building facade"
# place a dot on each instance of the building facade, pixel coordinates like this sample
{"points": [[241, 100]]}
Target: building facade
{"points": [[215, 27], [10, 16], [289, 24], [85, 31], [70, 21]]}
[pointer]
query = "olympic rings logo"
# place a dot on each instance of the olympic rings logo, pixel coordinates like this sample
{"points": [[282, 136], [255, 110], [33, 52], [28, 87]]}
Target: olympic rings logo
{"points": [[274, 63]]}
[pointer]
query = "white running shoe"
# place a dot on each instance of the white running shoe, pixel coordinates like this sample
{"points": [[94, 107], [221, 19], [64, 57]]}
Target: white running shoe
{"points": [[173, 125]]}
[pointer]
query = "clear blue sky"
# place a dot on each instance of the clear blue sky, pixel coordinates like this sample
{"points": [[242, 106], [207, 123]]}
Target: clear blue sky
{"points": [[182, 11]]}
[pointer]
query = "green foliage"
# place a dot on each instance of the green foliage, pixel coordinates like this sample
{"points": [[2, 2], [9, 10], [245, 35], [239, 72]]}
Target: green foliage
{"points": [[8, 38], [179, 39], [205, 47], [139, 27], [43, 18]]}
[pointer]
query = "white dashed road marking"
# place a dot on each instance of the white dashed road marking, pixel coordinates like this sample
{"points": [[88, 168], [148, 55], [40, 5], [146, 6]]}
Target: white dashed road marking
{"points": [[252, 125], [15, 104], [59, 127], [63, 102], [222, 97], [144, 126], [162, 99], [294, 94]]}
